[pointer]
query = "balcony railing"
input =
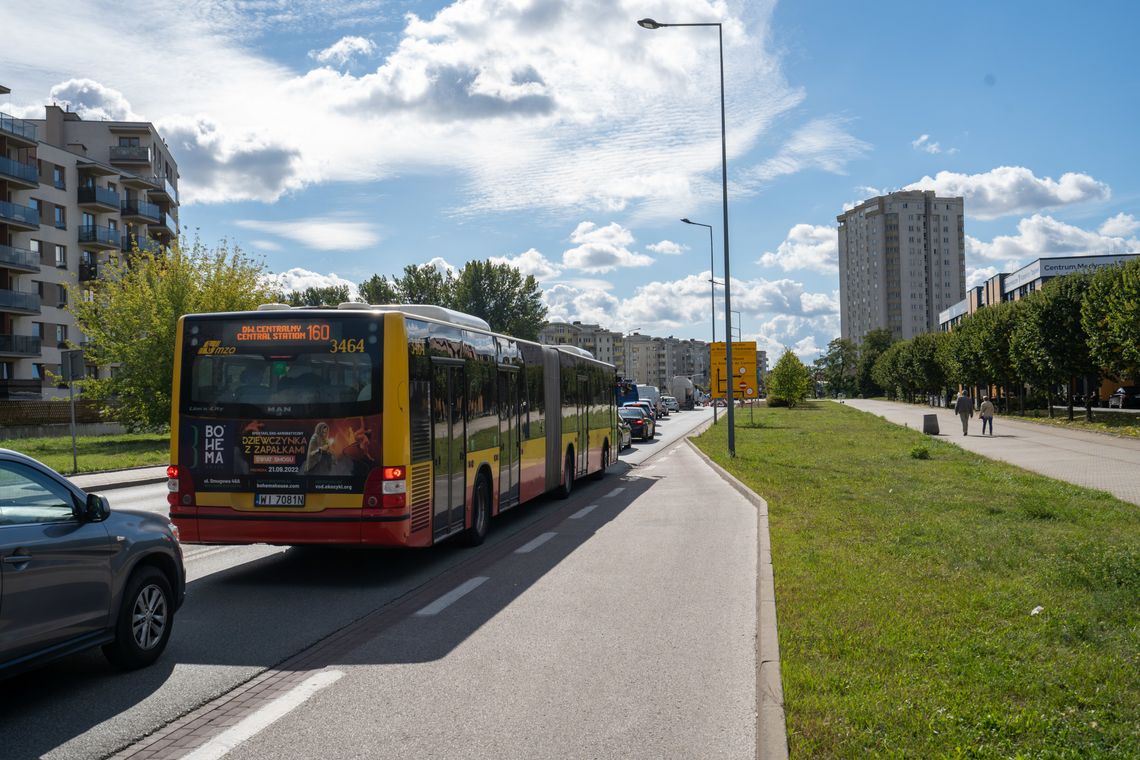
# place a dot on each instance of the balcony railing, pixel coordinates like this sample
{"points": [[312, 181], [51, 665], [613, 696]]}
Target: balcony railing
{"points": [[135, 207], [97, 234], [145, 245], [102, 196], [88, 271], [14, 212], [19, 258], [166, 226], [130, 154], [17, 127], [21, 345], [23, 172], [20, 389], [14, 300]]}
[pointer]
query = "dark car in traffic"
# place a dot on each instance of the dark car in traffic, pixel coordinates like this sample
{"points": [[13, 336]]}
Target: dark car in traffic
{"points": [[641, 425], [1125, 397], [75, 574]]}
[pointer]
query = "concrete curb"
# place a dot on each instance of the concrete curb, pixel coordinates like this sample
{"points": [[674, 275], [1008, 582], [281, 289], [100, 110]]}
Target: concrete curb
{"points": [[124, 484], [771, 721]]}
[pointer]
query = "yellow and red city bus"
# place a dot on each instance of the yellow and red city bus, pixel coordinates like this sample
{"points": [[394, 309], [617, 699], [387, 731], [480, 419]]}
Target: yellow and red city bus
{"points": [[379, 425]]}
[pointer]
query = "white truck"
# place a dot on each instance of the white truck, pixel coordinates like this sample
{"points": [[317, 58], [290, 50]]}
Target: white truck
{"points": [[653, 396], [683, 391]]}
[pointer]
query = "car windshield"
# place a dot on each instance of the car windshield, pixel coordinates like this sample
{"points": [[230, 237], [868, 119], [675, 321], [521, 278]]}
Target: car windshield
{"points": [[628, 413]]}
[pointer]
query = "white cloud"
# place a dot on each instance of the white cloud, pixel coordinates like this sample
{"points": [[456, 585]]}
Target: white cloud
{"points": [[566, 303], [924, 143], [531, 262], [667, 247], [1041, 235], [1120, 225], [443, 266], [602, 249], [91, 100], [344, 50], [532, 105], [1013, 190], [265, 245], [807, 246], [319, 233], [820, 144], [298, 279]]}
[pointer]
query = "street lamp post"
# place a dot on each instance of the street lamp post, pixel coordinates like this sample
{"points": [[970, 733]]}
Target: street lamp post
{"points": [[712, 300], [648, 23]]}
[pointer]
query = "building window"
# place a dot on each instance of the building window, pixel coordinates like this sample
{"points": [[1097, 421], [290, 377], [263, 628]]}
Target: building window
{"points": [[128, 142], [58, 178], [61, 256], [88, 219], [37, 371], [60, 217], [61, 335], [37, 248], [34, 203]]}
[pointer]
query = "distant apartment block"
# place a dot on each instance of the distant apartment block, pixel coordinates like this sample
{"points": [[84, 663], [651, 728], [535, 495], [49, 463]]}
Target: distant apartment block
{"points": [[902, 260], [644, 358], [1029, 279], [74, 195]]}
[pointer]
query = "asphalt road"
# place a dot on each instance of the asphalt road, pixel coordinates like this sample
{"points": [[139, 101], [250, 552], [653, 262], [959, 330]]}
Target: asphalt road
{"points": [[618, 623]]}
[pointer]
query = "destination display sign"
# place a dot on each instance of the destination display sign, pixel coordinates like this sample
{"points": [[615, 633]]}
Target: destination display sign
{"points": [[284, 332]]}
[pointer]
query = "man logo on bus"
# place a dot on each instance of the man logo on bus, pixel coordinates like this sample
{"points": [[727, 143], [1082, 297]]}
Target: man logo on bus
{"points": [[212, 347]]}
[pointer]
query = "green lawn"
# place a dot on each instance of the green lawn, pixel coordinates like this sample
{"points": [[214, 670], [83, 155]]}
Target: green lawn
{"points": [[106, 452], [906, 587], [1104, 421]]}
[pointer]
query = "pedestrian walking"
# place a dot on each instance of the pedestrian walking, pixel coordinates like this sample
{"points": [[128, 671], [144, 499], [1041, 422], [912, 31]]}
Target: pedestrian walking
{"points": [[987, 415], [964, 408]]}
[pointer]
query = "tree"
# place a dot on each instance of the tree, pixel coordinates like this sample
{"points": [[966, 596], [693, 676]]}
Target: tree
{"points": [[875, 342], [328, 295], [424, 284], [892, 371], [1049, 345], [130, 320], [499, 293], [994, 327], [789, 381], [924, 372], [377, 290], [1110, 317], [838, 365]]}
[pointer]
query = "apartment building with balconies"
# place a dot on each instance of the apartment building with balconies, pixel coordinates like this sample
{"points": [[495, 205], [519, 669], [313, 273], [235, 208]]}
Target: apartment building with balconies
{"points": [[74, 195]]}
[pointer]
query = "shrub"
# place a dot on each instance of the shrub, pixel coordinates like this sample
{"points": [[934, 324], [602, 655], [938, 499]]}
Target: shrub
{"points": [[920, 452]]}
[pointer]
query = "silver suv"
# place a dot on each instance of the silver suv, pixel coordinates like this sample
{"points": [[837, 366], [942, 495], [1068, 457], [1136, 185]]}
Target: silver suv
{"points": [[75, 575]]}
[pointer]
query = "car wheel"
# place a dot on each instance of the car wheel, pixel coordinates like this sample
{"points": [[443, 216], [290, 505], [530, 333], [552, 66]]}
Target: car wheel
{"points": [[146, 618], [568, 480], [480, 513]]}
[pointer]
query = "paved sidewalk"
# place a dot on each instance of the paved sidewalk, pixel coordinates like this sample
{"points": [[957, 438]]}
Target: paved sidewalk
{"points": [[1104, 462], [105, 481]]}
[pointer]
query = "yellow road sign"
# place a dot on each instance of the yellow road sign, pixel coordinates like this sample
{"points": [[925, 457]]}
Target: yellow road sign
{"points": [[742, 373]]}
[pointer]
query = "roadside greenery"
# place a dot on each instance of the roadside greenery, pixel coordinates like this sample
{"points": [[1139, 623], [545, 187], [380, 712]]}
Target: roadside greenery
{"points": [[130, 318], [1074, 332], [944, 607], [95, 453], [789, 382]]}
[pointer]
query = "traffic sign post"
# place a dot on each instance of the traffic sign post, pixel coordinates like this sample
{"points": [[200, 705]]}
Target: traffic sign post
{"points": [[743, 369], [74, 368]]}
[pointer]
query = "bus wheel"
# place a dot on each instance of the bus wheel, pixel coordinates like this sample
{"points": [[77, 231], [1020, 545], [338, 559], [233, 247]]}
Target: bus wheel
{"points": [[480, 513], [568, 481], [605, 462]]}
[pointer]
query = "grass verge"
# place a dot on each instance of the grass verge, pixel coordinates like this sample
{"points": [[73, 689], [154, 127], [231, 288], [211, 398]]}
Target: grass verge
{"points": [[103, 452], [906, 591], [1116, 423]]}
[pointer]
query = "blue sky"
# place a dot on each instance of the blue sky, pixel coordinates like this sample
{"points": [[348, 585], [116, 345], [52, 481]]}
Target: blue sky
{"points": [[340, 139]]}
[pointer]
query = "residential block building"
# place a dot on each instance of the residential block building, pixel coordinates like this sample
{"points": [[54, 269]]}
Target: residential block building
{"points": [[902, 260], [74, 194]]}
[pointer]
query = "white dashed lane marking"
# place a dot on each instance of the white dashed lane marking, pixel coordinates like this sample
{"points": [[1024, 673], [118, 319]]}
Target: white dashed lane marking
{"points": [[614, 492], [439, 605], [532, 545], [583, 512]]}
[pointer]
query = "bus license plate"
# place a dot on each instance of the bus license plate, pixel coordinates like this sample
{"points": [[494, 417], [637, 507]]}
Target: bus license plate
{"points": [[279, 500]]}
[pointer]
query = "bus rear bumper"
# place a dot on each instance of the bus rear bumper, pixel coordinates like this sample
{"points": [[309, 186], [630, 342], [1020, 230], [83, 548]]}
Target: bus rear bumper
{"points": [[233, 527]]}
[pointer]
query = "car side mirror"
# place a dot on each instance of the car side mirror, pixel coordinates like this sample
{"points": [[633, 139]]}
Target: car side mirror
{"points": [[97, 508]]}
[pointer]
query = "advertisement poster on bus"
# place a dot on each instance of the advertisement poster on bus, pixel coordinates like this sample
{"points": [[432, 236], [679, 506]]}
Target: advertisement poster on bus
{"points": [[315, 455]]}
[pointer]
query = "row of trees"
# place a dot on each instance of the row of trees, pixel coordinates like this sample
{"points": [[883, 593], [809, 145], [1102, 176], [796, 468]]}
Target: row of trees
{"points": [[1077, 326], [130, 314]]}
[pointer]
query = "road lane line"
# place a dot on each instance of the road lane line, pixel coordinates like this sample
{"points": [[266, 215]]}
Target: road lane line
{"points": [[532, 545], [264, 717], [614, 492], [583, 512], [439, 605]]}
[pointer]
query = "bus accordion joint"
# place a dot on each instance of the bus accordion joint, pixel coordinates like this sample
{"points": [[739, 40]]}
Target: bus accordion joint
{"points": [[386, 489]]}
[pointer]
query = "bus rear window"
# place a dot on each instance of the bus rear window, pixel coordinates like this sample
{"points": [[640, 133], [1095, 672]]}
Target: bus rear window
{"points": [[339, 375]]}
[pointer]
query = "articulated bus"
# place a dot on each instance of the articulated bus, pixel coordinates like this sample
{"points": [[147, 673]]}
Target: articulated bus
{"points": [[376, 425]]}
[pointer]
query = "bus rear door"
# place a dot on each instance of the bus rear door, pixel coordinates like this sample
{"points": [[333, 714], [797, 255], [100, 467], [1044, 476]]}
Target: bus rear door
{"points": [[448, 402]]}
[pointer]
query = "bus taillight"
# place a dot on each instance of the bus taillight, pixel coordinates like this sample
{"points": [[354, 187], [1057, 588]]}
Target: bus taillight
{"points": [[386, 488], [180, 486]]}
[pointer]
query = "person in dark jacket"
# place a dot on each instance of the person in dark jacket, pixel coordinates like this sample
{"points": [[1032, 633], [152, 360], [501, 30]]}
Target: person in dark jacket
{"points": [[964, 408]]}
